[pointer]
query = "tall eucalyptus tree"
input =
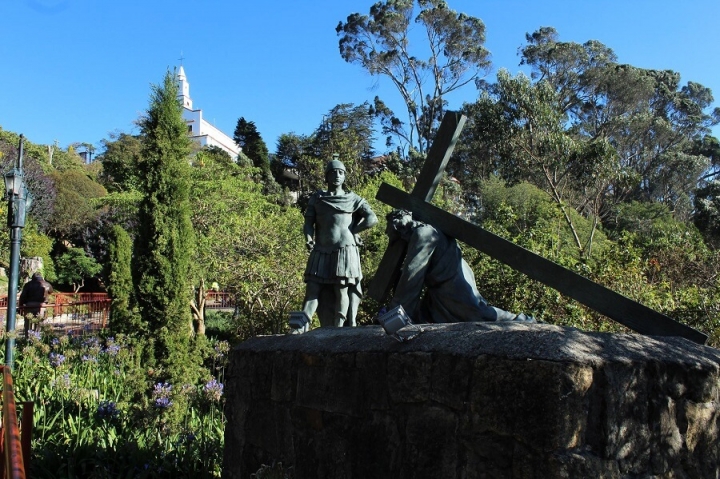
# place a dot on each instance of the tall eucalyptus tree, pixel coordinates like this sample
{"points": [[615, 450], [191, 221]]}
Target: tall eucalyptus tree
{"points": [[448, 56]]}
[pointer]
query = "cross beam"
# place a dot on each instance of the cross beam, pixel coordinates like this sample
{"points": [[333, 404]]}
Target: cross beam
{"points": [[425, 186], [625, 311]]}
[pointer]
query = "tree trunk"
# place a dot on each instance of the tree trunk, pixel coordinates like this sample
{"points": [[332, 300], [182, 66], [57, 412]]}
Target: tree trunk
{"points": [[197, 305]]}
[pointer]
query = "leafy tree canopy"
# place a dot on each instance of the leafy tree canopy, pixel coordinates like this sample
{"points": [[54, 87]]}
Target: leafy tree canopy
{"points": [[119, 162], [74, 209], [74, 266]]}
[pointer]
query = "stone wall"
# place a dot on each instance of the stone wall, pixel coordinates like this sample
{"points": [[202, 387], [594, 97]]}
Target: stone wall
{"points": [[473, 400]]}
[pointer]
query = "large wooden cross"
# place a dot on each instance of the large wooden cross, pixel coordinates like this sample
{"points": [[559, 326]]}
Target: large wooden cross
{"points": [[625, 311]]}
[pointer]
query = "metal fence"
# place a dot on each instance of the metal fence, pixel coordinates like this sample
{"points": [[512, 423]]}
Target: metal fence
{"points": [[219, 300], [91, 311], [80, 311]]}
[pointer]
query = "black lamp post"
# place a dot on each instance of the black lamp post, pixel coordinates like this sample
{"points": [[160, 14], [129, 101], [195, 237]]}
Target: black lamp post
{"points": [[19, 200]]}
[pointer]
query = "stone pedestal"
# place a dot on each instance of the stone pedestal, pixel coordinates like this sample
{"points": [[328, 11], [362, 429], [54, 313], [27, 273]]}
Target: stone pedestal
{"points": [[473, 400]]}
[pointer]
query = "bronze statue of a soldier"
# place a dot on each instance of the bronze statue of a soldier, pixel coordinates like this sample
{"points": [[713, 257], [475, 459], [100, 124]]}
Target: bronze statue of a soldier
{"points": [[333, 220]]}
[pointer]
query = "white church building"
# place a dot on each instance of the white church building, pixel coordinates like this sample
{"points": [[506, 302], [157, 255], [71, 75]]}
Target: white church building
{"points": [[200, 131]]}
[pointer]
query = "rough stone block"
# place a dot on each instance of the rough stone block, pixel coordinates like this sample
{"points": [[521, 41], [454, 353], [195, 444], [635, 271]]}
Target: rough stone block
{"points": [[473, 400]]}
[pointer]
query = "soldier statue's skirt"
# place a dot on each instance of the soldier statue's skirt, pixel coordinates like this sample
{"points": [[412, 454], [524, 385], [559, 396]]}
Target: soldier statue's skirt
{"points": [[339, 266]]}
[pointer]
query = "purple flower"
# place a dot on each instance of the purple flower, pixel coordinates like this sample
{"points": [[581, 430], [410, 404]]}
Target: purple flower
{"points": [[107, 410], [56, 359], [61, 382], [221, 349], [162, 389], [213, 390], [161, 395], [163, 403], [186, 438], [34, 336], [89, 358], [112, 349], [92, 345]]}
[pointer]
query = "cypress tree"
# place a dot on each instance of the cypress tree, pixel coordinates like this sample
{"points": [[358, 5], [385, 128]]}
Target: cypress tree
{"points": [[165, 243], [253, 146], [120, 288]]}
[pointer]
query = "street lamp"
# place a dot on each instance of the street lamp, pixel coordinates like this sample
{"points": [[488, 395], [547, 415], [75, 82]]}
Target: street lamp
{"points": [[19, 201]]}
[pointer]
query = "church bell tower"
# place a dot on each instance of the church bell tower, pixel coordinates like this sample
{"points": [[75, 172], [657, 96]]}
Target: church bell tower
{"points": [[184, 89]]}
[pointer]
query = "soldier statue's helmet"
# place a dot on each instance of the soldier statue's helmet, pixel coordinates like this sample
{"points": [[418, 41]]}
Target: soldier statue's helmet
{"points": [[334, 165]]}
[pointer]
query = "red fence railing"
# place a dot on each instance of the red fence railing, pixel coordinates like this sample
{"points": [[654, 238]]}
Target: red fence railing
{"points": [[92, 310], [81, 310], [219, 300]]}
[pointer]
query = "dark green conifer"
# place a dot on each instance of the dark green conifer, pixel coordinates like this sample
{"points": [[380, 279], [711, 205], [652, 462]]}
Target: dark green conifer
{"points": [[165, 242], [123, 317]]}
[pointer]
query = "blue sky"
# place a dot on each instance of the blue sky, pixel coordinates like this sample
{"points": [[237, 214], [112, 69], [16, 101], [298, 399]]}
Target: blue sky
{"points": [[77, 70]]}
